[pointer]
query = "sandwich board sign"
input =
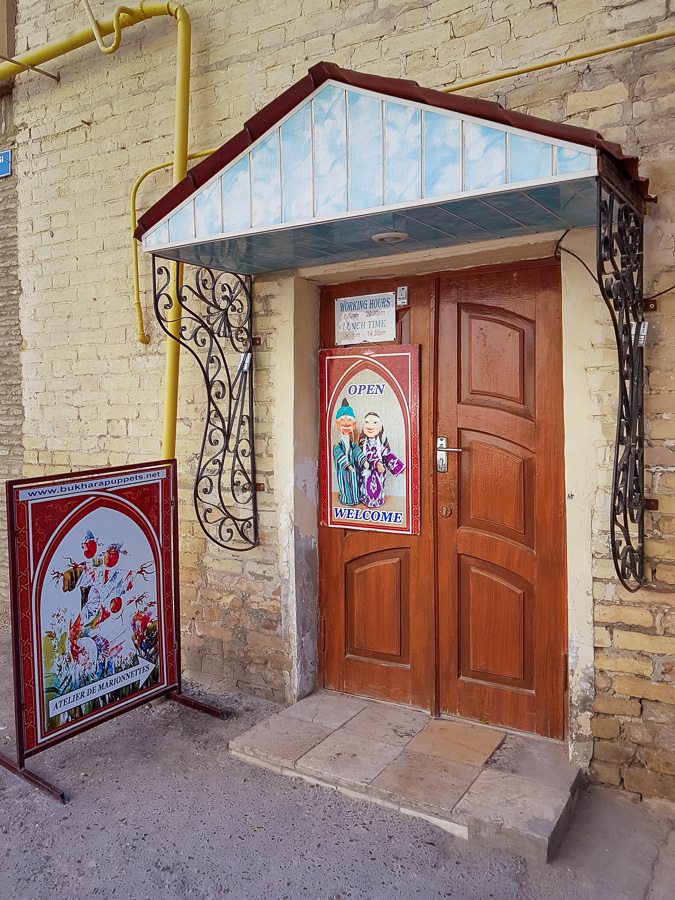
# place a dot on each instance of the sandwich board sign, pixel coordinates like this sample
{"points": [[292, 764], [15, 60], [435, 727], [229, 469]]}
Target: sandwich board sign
{"points": [[95, 606]]}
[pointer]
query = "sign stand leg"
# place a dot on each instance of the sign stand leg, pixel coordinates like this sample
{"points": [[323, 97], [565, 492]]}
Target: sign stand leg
{"points": [[34, 779], [198, 705]]}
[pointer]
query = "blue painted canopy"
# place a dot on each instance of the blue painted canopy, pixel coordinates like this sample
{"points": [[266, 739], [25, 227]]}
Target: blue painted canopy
{"points": [[348, 163]]}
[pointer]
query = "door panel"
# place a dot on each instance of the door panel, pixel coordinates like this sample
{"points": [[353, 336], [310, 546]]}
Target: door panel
{"points": [[497, 356], [495, 624], [378, 618], [486, 462]]}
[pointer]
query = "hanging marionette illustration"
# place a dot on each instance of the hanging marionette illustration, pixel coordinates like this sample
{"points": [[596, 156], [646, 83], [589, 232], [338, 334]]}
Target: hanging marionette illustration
{"points": [[379, 459], [369, 451], [348, 456], [106, 622], [362, 466]]}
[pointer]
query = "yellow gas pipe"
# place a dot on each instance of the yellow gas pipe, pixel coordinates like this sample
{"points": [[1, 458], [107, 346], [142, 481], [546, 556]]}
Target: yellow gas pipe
{"points": [[124, 18], [142, 336], [560, 61]]}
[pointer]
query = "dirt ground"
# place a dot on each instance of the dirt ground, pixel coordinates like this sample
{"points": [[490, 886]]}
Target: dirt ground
{"points": [[159, 809]]}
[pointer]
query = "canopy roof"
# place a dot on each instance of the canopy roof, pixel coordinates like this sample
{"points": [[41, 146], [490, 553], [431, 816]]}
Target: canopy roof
{"points": [[340, 158]]}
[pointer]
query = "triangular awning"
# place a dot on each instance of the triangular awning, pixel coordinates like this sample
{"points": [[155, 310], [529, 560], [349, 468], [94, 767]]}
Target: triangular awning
{"points": [[345, 166]]}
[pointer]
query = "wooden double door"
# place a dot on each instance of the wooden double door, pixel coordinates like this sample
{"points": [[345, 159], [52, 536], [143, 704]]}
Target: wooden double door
{"points": [[468, 617]]}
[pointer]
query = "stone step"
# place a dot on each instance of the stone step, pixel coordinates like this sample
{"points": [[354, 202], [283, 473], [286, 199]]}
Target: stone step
{"points": [[514, 813], [510, 791]]}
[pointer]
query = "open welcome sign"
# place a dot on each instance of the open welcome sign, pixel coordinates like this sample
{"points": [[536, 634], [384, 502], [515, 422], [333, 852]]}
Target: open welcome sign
{"points": [[370, 438]]}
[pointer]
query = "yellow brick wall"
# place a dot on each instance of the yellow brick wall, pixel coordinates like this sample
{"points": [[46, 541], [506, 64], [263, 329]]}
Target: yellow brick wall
{"points": [[11, 407], [92, 395]]}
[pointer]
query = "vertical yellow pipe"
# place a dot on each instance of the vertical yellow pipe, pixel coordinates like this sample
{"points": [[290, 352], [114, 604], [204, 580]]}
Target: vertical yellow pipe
{"points": [[180, 158]]}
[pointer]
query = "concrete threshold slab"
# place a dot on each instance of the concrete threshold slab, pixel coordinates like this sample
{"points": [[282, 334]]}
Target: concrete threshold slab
{"points": [[510, 791]]}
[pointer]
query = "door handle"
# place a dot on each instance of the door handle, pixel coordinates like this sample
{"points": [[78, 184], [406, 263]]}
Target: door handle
{"points": [[441, 450], [446, 511]]}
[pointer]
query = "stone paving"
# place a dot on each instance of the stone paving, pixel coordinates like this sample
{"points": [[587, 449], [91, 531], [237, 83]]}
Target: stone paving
{"points": [[511, 791]]}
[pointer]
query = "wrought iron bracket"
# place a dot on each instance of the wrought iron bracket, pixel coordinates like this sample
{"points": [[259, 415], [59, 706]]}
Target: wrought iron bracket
{"points": [[214, 314], [620, 257]]}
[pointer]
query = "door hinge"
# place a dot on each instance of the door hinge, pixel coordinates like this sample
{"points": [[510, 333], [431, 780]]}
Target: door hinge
{"points": [[565, 681]]}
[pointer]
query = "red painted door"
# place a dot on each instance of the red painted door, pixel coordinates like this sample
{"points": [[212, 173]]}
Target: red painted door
{"points": [[468, 617]]}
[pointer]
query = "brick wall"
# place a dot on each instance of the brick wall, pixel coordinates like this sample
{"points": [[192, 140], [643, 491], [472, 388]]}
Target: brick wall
{"points": [[11, 409], [233, 633], [92, 395]]}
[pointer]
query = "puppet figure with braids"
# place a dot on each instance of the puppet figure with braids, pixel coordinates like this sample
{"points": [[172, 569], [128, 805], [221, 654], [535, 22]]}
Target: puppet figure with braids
{"points": [[376, 450]]}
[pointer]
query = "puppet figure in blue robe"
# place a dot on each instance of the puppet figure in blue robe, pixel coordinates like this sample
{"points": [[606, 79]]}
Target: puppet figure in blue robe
{"points": [[348, 457]]}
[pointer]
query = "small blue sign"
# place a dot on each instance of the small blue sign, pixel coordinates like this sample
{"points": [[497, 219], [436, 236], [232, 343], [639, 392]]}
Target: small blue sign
{"points": [[5, 163]]}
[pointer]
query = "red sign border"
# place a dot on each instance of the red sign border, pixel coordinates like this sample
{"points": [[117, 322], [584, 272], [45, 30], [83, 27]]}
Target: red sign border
{"points": [[365, 351], [22, 639]]}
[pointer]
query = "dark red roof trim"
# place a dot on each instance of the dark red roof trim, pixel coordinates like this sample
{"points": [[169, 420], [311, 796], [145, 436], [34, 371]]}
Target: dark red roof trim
{"points": [[393, 87]]}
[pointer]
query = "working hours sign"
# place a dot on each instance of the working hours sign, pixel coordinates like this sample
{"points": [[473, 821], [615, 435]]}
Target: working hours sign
{"points": [[370, 438], [366, 319], [94, 598]]}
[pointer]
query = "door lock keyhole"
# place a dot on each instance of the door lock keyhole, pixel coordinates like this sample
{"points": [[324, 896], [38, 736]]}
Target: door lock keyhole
{"points": [[446, 511]]}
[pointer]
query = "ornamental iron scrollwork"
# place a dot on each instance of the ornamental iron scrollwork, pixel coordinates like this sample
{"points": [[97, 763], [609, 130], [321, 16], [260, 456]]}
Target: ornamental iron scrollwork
{"points": [[214, 315], [620, 270]]}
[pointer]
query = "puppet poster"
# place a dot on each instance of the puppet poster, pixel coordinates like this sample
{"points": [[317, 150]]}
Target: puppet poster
{"points": [[94, 595], [370, 438]]}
